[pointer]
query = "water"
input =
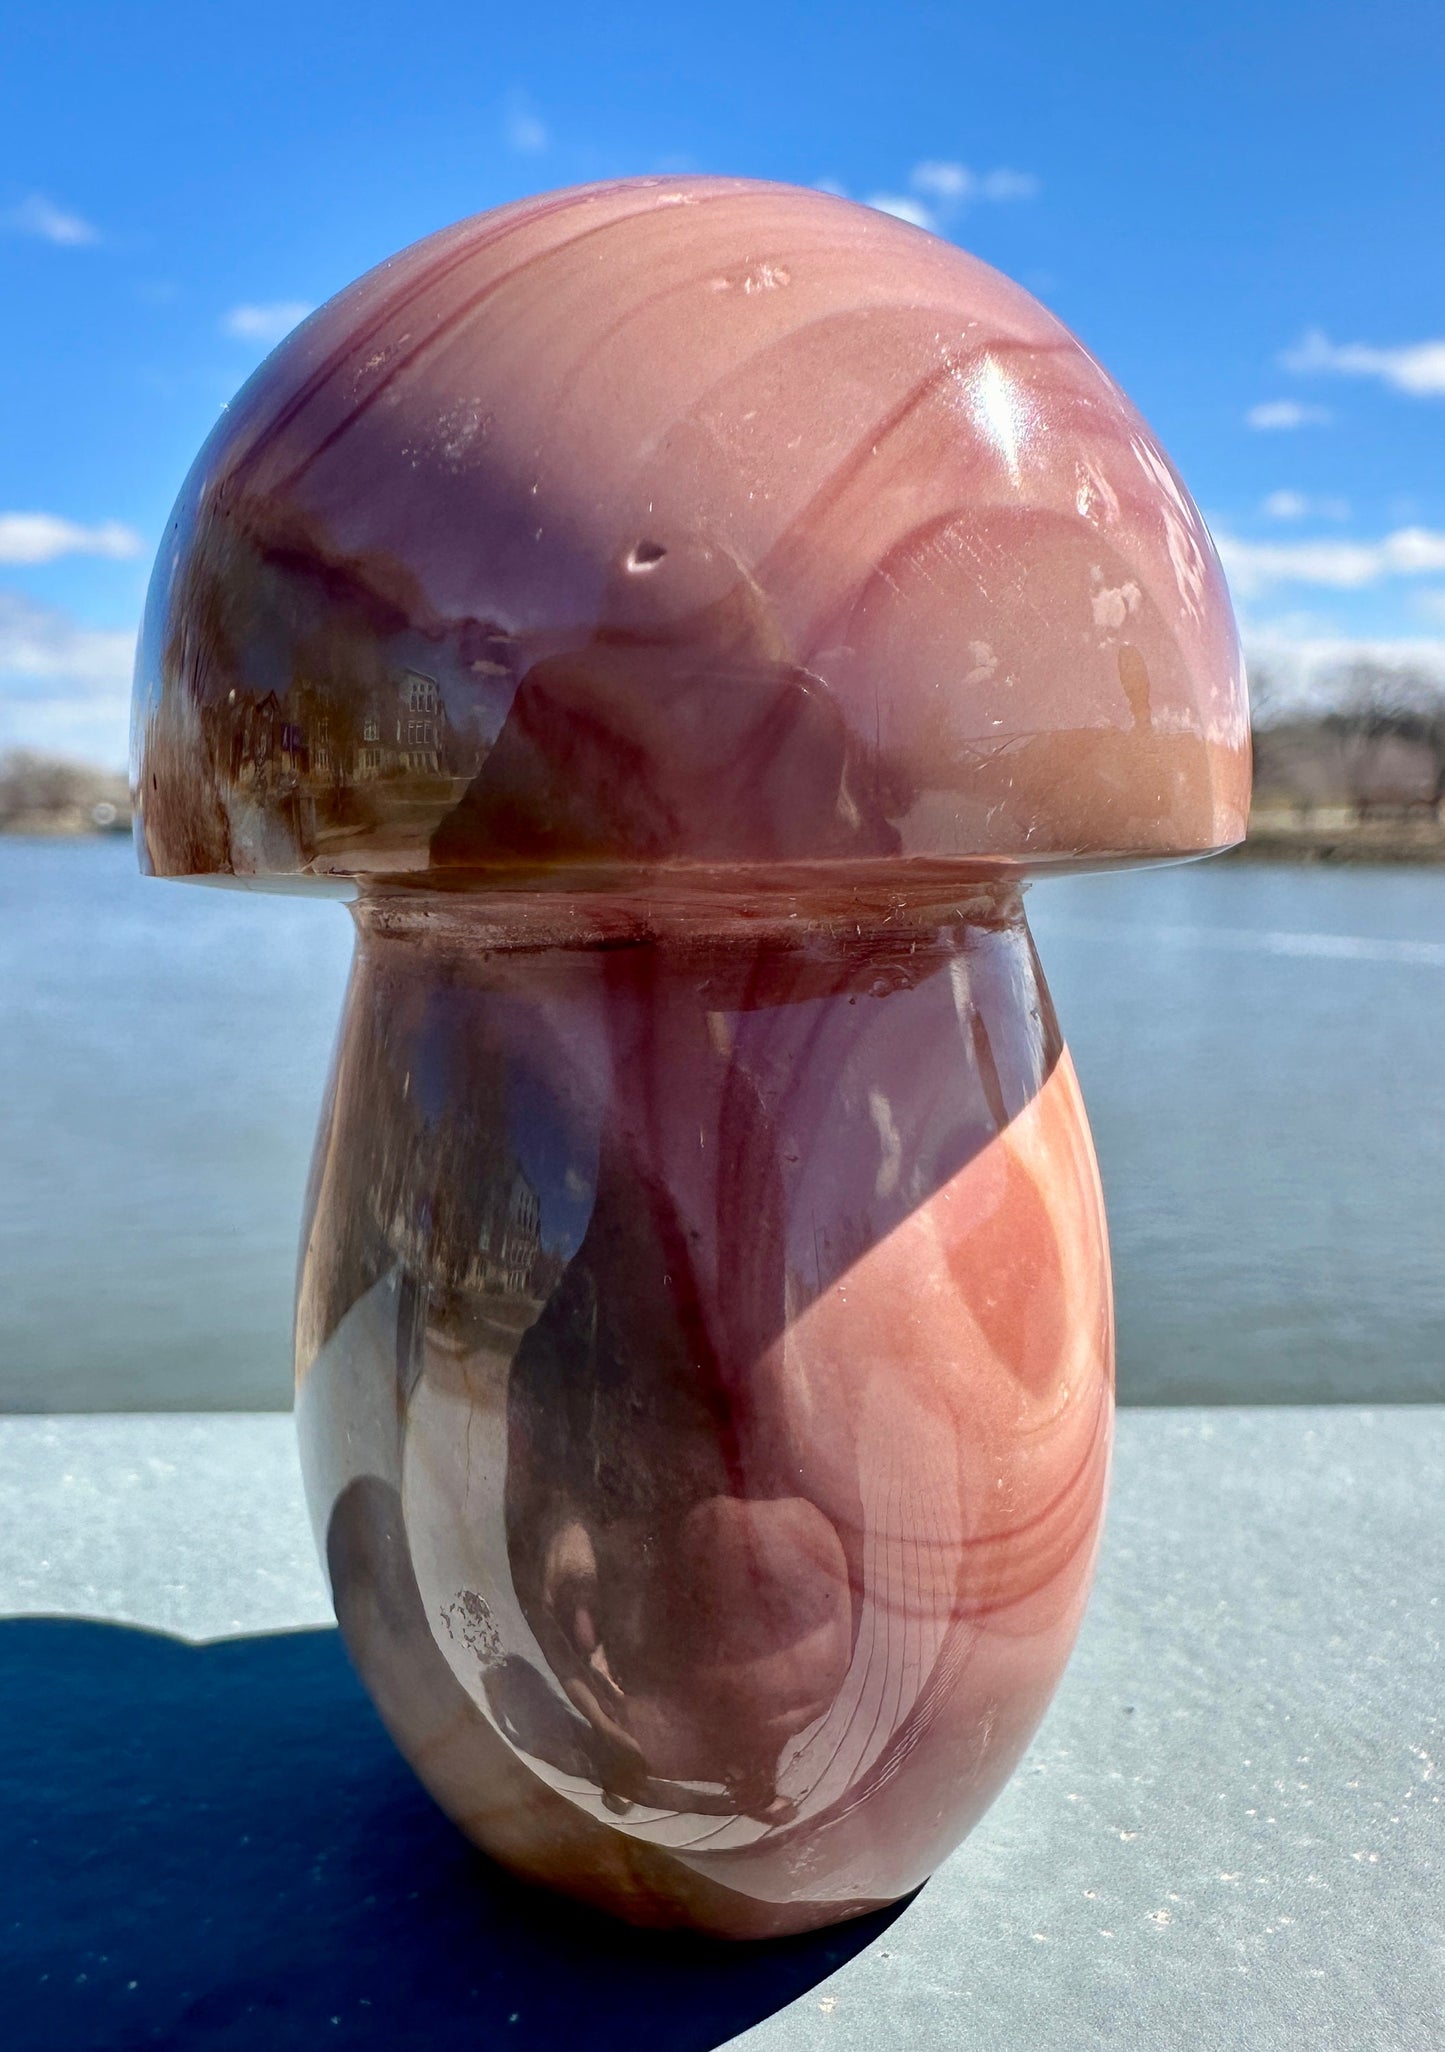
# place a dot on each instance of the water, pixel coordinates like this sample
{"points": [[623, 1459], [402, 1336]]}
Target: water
{"points": [[1261, 1049], [162, 1053]]}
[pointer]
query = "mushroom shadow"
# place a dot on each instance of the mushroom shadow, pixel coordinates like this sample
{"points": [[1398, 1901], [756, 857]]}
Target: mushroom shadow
{"points": [[217, 1846]]}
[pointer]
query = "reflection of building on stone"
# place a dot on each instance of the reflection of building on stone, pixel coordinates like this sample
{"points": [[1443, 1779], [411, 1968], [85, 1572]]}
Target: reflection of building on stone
{"points": [[422, 746], [330, 712], [403, 731], [511, 1237], [489, 1249]]}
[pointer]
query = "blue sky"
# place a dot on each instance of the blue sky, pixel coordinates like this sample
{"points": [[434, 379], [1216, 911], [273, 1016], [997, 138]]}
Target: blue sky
{"points": [[1239, 208]]}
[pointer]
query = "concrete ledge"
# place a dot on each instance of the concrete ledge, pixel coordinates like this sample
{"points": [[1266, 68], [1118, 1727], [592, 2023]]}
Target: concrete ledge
{"points": [[1228, 1833], [188, 1523]]}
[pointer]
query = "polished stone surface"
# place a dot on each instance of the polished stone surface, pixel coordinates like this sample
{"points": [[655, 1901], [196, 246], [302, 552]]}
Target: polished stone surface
{"points": [[704, 1358], [1227, 1832], [681, 612], [681, 522]]}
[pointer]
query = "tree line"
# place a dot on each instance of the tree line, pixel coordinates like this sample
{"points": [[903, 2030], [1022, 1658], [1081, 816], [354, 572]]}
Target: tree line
{"points": [[1373, 746], [46, 794], [1376, 748]]}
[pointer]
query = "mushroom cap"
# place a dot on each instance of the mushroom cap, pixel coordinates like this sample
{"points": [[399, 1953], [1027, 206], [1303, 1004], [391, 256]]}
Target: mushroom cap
{"points": [[672, 529]]}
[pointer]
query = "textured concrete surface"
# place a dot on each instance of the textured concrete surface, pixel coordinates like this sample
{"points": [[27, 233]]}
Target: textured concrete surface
{"points": [[189, 1524], [1229, 1833]]}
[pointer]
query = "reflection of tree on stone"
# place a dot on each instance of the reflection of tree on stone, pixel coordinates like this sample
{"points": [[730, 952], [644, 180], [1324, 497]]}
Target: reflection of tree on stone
{"points": [[304, 740], [436, 1170], [470, 1226], [356, 696]]}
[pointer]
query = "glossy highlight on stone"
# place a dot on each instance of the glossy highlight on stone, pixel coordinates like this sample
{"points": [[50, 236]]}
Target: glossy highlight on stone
{"points": [[682, 615], [722, 1328], [684, 521]]}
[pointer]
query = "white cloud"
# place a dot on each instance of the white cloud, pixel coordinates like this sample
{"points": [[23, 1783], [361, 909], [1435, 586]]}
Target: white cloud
{"points": [[265, 323], [523, 129], [63, 687], [42, 537], [1288, 505], [1309, 671], [940, 188], [1339, 565], [1417, 368], [1286, 413], [43, 642], [41, 217], [903, 208], [943, 181], [525, 132], [1010, 185]]}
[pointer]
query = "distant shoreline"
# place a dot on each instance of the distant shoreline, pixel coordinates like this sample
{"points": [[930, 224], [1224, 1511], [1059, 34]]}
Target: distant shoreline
{"points": [[50, 797], [42, 828], [1371, 841]]}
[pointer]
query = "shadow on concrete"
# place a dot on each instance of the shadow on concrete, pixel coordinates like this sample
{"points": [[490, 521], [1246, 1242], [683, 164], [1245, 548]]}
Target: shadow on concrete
{"points": [[217, 1846]]}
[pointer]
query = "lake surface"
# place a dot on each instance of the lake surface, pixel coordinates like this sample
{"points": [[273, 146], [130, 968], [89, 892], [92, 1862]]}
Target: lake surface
{"points": [[1262, 1050]]}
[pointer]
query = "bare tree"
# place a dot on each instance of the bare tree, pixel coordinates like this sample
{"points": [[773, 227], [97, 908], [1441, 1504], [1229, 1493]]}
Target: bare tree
{"points": [[1390, 723], [46, 794]]}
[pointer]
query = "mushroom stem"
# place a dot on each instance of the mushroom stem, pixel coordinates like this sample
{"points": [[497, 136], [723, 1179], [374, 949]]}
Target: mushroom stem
{"points": [[720, 1326]]}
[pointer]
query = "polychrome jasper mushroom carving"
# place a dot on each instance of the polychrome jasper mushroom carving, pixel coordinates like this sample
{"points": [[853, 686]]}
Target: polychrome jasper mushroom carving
{"points": [[682, 616]]}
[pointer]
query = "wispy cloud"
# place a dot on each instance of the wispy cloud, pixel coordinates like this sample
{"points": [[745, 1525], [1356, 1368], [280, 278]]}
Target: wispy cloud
{"points": [[42, 218], [1253, 567], [1287, 505], [943, 181], [1416, 368], [45, 642], [63, 686], [903, 207], [1287, 413], [525, 130], [42, 537], [1310, 670], [264, 323], [939, 190], [1010, 185]]}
